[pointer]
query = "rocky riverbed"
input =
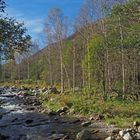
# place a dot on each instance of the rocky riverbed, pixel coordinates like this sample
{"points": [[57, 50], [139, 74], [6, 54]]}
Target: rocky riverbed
{"points": [[21, 118]]}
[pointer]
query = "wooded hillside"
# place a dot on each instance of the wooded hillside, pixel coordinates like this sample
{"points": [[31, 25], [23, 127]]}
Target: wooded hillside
{"points": [[102, 55]]}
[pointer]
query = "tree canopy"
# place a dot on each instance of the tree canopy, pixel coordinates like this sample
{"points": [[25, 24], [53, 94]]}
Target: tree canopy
{"points": [[13, 36]]}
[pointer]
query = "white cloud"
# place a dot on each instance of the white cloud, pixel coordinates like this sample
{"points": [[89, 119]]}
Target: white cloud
{"points": [[14, 13], [37, 30], [33, 25], [31, 22]]}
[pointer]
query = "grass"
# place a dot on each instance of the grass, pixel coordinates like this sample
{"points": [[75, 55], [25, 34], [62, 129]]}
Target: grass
{"points": [[118, 112]]}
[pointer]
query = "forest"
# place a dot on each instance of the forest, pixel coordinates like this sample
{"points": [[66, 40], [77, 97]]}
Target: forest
{"points": [[83, 82], [100, 55], [97, 55]]}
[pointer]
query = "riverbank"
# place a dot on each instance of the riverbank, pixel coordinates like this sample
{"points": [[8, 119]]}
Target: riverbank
{"points": [[33, 112], [22, 118], [121, 113]]}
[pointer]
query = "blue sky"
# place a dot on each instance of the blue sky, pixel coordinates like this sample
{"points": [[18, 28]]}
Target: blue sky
{"points": [[34, 12]]}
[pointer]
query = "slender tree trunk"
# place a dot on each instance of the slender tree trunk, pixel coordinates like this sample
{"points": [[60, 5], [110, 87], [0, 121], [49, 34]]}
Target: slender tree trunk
{"points": [[67, 75], [89, 69], [73, 75], [61, 68], [122, 59], [3, 73], [107, 54], [104, 78], [50, 67], [108, 70], [19, 78], [136, 78], [28, 67]]}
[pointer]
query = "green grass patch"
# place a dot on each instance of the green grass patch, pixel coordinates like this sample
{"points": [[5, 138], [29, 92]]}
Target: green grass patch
{"points": [[118, 112]]}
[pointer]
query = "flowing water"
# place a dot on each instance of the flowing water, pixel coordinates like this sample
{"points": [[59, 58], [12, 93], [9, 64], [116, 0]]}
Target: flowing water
{"points": [[21, 121]]}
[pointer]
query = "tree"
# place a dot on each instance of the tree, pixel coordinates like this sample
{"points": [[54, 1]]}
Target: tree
{"points": [[2, 6], [49, 38], [13, 38], [58, 27]]}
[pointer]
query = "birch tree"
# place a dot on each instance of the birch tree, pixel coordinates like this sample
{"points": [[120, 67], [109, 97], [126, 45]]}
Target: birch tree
{"points": [[57, 24]]}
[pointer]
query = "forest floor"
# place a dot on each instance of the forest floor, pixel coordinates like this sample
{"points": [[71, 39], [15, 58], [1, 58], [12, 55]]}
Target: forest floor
{"points": [[121, 113]]}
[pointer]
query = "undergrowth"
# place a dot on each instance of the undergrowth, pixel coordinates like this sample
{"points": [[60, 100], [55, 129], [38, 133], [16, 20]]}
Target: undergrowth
{"points": [[118, 112]]}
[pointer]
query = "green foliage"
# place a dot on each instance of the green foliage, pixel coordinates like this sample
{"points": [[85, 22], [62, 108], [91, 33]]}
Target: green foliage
{"points": [[118, 112], [13, 38], [67, 52], [93, 56], [99, 54], [2, 5]]}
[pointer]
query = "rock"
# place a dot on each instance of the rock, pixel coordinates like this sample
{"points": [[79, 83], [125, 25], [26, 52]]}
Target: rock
{"points": [[115, 131], [137, 136], [63, 113], [83, 135], [66, 138], [44, 110], [129, 129], [56, 137], [22, 92], [74, 120], [96, 117], [109, 138], [85, 124], [122, 132], [52, 113], [31, 137], [44, 89], [136, 123], [62, 110], [138, 129], [1, 90], [34, 91], [127, 136], [37, 103], [53, 90]]}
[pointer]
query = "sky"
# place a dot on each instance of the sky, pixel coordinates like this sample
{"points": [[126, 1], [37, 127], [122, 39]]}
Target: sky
{"points": [[34, 12]]}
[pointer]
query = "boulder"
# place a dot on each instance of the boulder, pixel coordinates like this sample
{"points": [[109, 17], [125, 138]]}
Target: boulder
{"points": [[52, 113], [122, 132], [85, 124], [56, 136], [83, 135], [138, 129], [127, 136], [136, 123], [137, 136], [109, 138], [53, 90], [44, 89], [62, 110]]}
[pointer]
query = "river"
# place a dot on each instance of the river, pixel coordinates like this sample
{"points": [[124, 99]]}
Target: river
{"points": [[20, 120]]}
